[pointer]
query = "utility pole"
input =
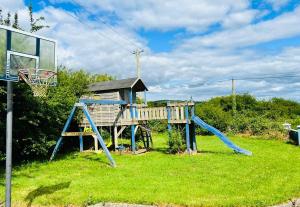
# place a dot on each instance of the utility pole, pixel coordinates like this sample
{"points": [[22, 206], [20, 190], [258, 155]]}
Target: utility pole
{"points": [[137, 54], [233, 94]]}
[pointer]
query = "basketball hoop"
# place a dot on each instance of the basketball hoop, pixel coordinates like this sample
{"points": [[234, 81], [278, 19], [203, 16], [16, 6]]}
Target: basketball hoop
{"points": [[39, 80]]}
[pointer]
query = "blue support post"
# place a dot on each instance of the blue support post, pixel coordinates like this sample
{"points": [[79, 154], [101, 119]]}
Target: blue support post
{"points": [[169, 119], [298, 129], [67, 124], [132, 125], [100, 139], [187, 130], [80, 141], [193, 131], [58, 144]]}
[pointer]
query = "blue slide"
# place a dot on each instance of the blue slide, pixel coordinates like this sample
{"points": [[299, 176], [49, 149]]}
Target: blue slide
{"points": [[220, 135]]}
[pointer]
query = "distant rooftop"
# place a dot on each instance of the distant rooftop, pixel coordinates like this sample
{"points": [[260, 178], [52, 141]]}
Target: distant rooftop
{"points": [[134, 83]]}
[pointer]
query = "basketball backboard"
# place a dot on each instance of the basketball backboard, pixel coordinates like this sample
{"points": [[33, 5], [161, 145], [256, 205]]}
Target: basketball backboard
{"points": [[22, 50]]}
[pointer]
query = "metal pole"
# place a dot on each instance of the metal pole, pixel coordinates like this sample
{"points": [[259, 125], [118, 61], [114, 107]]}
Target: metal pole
{"points": [[9, 123]]}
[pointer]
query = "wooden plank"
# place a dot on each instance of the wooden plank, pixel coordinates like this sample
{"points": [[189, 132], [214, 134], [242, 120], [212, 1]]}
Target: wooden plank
{"points": [[96, 142], [116, 137], [177, 113], [76, 134], [182, 104], [121, 130], [182, 112], [136, 128], [172, 121]]}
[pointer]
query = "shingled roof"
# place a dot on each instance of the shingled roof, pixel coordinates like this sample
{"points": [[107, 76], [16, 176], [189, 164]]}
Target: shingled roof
{"points": [[134, 83]]}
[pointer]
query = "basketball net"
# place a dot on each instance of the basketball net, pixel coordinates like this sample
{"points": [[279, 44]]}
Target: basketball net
{"points": [[38, 80]]}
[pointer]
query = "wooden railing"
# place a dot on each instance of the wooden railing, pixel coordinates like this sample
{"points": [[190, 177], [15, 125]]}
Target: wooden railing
{"points": [[104, 115]]}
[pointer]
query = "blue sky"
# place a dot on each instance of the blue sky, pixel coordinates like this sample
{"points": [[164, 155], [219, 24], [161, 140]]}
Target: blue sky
{"points": [[185, 43], [165, 41]]}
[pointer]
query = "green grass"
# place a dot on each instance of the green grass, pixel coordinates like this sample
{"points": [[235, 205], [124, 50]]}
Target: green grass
{"points": [[215, 177]]}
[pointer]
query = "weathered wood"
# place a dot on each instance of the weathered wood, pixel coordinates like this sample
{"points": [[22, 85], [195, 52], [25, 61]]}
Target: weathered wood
{"points": [[135, 129], [96, 142], [114, 116], [181, 104], [121, 130], [116, 137], [76, 134]]}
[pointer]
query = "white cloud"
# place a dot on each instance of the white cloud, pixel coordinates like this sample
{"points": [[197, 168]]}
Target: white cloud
{"points": [[174, 75], [90, 45], [239, 18], [192, 15], [11, 5], [283, 26]]}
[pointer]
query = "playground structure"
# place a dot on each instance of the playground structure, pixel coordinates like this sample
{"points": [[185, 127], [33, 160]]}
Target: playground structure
{"points": [[294, 135], [114, 104]]}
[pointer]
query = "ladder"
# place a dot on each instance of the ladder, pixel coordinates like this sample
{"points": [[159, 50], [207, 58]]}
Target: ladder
{"points": [[146, 135]]}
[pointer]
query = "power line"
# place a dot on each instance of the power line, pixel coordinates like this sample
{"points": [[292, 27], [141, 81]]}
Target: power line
{"points": [[109, 27], [262, 77], [105, 36], [118, 33], [268, 77]]}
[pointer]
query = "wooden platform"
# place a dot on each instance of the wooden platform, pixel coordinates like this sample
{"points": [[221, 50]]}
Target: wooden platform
{"points": [[106, 115]]}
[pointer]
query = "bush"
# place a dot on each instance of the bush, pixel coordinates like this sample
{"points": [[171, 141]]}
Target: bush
{"points": [[38, 122], [158, 125], [176, 142], [215, 116]]}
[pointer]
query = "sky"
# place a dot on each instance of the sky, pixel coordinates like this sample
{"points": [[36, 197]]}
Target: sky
{"points": [[191, 48]]}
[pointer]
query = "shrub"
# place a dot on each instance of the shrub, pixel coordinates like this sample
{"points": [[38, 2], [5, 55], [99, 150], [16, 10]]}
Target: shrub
{"points": [[176, 142], [215, 116], [158, 125]]}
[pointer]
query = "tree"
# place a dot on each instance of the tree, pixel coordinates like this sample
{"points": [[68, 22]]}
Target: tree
{"points": [[1, 17], [35, 24], [7, 21], [16, 21]]}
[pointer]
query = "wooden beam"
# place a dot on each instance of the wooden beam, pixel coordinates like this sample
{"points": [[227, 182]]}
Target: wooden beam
{"points": [[182, 104], [77, 134], [96, 142], [146, 129], [121, 130], [115, 137], [136, 128]]}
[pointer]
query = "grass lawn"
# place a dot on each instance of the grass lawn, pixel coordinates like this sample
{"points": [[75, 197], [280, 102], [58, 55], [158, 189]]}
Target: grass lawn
{"points": [[215, 177]]}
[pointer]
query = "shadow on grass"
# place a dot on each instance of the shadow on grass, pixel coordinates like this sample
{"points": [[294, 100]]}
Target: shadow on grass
{"points": [[97, 159], [291, 142], [163, 150], [45, 190], [216, 152]]}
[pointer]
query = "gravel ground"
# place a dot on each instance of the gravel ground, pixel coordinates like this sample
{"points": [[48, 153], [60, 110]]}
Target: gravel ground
{"points": [[292, 203], [120, 205]]}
